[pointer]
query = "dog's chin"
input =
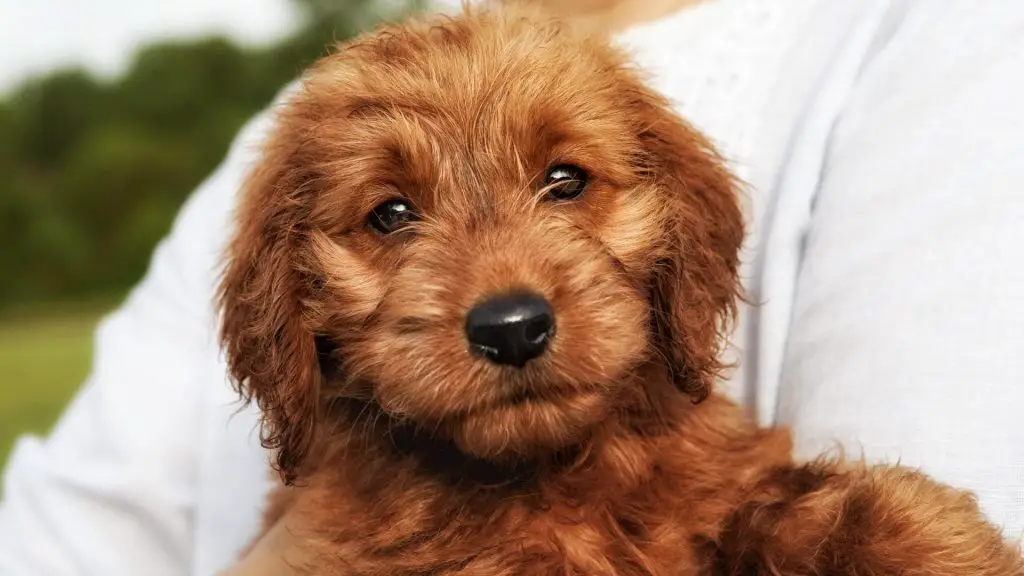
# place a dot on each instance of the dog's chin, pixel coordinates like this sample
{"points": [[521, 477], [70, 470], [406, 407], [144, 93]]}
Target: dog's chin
{"points": [[529, 427]]}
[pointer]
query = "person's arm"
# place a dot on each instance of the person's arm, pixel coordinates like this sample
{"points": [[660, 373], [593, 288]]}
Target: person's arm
{"points": [[907, 333], [112, 490]]}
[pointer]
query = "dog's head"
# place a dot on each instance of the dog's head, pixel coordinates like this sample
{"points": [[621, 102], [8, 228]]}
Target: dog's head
{"points": [[485, 226]]}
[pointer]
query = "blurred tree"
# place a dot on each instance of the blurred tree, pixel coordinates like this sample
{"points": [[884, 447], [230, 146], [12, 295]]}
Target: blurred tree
{"points": [[92, 173]]}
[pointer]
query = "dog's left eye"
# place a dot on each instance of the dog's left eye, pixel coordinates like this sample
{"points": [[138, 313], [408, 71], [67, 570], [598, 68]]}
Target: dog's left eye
{"points": [[565, 182], [392, 216]]}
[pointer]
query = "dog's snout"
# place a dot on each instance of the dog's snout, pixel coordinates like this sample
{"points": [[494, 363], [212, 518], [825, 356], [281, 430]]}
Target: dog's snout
{"points": [[510, 330]]}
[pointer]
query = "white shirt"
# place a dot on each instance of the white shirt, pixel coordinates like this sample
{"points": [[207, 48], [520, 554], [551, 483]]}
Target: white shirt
{"points": [[883, 147]]}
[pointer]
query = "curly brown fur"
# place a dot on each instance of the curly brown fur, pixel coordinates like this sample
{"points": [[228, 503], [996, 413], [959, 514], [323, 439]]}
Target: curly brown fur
{"points": [[609, 454]]}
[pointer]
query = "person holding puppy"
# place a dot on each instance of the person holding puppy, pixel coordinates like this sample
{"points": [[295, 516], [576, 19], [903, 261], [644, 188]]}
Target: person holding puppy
{"points": [[879, 142]]}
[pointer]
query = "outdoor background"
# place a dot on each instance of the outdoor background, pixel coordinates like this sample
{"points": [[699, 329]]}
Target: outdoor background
{"points": [[111, 112]]}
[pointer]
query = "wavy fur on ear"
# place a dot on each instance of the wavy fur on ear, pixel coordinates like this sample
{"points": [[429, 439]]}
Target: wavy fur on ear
{"points": [[272, 354], [697, 285]]}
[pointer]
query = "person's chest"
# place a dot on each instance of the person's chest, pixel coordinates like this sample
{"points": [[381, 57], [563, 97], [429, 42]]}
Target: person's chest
{"points": [[765, 80], [723, 64]]}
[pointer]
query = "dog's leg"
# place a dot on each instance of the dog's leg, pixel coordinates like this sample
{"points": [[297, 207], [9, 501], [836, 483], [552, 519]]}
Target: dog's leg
{"points": [[818, 520]]}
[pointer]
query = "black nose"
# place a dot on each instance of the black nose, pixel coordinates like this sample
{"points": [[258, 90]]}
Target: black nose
{"points": [[510, 330]]}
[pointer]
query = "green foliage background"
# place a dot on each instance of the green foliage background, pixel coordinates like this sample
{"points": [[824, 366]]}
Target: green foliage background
{"points": [[92, 174]]}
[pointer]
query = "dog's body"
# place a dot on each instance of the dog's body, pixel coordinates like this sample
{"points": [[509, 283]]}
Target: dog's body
{"points": [[710, 495], [480, 287]]}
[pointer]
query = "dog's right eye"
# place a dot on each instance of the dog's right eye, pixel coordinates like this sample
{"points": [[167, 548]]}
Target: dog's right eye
{"points": [[391, 216], [565, 182]]}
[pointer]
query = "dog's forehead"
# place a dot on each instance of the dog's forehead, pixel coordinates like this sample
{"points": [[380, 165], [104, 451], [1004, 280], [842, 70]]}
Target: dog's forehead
{"points": [[464, 68], [497, 143], [474, 109]]}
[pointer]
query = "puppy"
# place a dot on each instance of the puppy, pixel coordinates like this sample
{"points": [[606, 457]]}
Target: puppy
{"points": [[479, 289]]}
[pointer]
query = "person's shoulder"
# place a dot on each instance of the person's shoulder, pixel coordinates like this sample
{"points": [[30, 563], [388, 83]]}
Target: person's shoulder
{"points": [[194, 249]]}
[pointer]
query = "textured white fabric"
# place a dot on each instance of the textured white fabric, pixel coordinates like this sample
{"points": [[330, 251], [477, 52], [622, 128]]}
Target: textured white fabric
{"points": [[907, 333], [880, 142]]}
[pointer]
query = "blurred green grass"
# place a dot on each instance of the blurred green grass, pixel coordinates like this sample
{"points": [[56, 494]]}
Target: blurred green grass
{"points": [[44, 358]]}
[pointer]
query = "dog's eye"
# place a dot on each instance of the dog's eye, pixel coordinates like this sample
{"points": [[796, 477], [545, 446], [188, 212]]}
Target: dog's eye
{"points": [[392, 216], [565, 182]]}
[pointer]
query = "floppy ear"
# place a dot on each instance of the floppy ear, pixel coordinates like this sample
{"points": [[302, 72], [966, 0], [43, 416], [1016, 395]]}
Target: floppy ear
{"points": [[696, 287], [271, 351]]}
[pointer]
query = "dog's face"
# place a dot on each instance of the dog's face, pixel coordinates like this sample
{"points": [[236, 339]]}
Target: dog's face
{"points": [[486, 226]]}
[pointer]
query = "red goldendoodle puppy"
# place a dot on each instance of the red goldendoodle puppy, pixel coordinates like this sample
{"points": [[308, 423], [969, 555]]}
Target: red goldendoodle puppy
{"points": [[479, 290]]}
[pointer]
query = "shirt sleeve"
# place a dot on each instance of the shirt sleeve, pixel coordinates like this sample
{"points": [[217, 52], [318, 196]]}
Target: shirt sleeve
{"points": [[112, 490], [906, 337]]}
